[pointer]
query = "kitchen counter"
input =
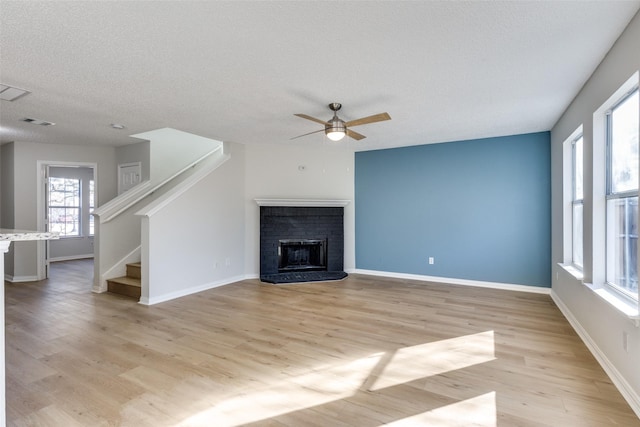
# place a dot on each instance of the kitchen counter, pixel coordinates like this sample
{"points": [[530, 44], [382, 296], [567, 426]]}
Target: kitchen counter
{"points": [[6, 237]]}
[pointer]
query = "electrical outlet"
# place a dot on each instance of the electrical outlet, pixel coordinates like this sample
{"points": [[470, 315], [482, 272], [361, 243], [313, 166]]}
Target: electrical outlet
{"points": [[431, 260], [215, 265], [227, 262], [625, 341]]}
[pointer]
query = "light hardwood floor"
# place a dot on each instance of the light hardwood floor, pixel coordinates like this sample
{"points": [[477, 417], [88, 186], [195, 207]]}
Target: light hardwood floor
{"points": [[364, 351]]}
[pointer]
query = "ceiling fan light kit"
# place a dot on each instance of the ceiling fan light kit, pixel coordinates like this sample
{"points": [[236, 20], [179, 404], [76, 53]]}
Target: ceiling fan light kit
{"points": [[335, 129], [335, 134]]}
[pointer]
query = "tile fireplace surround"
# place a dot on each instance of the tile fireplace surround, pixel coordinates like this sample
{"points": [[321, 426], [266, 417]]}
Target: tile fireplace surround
{"points": [[283, 220]]}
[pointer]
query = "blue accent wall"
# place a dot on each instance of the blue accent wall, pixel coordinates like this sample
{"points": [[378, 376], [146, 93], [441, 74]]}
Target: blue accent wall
{"points": [[481, 208]]}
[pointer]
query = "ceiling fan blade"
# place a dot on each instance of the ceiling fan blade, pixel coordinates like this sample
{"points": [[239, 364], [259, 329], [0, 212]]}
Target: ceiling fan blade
{"points": [[313, 119], [370, 119], [355, 135], [310, 133]]}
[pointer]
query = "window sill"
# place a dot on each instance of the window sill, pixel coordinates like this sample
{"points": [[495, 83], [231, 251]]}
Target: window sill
{"points": [[573, 270], [620, 303], [626, 307], [75, 237]]}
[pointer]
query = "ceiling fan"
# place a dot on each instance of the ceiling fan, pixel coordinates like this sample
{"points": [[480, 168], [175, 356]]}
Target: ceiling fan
{"points": [[336, 128]]}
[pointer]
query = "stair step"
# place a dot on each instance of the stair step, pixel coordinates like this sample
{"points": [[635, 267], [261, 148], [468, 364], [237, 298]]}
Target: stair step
{"points": [[133, 270], [128, 286]]}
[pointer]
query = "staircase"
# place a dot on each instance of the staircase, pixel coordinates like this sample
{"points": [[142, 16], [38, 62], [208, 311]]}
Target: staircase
{"points": [[129, 285]]}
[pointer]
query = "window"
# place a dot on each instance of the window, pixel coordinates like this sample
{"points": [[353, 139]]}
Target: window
{"points": [[64, 206], [577, 202], [622, 195], [92, 200]]}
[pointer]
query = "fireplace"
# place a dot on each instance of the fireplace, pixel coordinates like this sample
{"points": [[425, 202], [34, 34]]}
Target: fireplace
{"points": [[302, 255], [301, 243]]}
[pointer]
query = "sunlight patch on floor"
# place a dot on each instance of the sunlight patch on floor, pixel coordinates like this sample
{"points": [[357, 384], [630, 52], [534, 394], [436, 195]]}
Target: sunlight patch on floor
{"points": [[374, 372], [298, 393], [475, 412], [425, 360]]}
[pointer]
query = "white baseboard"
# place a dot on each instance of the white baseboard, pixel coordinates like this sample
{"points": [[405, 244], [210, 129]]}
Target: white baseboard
{"points": [[454, 281], [188, 291], [632, 398], [70, 258], [19, 279]]}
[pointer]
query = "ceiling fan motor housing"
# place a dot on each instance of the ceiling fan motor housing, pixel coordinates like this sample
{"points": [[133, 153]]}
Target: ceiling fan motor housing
{"points": [[335, 125]]}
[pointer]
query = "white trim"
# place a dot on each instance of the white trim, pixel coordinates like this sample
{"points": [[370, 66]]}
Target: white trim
{"points": [[454, 281], [572, 270], [632, 398], [624, 306], [120, 203], [41, 169], [189, 291], [303, 202], [20, 279], [567, 193], [4, 247], [70, 258]]}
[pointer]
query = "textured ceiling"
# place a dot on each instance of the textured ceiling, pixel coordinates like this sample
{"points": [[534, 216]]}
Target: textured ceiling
{"points": [[238, 71]]}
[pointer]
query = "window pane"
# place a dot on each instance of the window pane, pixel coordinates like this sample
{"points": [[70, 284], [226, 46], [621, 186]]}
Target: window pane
{"points": [[56, 198], [92, 192], [577, 235], [578, 193], [91, 206], [65, 221], [622, 244], [64, 206], [624, 145], [56, 219]]}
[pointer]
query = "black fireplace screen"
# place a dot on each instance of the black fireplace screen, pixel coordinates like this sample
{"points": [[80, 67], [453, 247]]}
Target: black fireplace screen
{"points": [[302, 255]]}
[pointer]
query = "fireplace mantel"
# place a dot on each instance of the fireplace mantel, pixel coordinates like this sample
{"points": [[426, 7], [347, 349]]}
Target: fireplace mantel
{"points": [[303, 202]]}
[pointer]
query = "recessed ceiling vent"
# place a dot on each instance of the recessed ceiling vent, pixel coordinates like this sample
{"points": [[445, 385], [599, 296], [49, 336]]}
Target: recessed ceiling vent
{"points": [[10, 93], [37, 122]]}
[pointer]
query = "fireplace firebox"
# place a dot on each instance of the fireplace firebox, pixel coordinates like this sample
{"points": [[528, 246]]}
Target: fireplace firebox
{"points": [[302, 255]]}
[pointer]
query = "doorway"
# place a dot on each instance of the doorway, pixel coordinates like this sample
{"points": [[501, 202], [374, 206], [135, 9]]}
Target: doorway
{"points": [[67, 195]]}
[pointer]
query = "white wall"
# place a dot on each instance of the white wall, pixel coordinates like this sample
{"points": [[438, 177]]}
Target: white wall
{"points": [[25, 175], [7, 184], [297, 171], [197, 241], [1, 188], [171, 149], [6, 202], [600, 324]]}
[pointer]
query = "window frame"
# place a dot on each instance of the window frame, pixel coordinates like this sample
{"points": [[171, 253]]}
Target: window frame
{"points": [[620, 195], [92, 206], [575, 201]]}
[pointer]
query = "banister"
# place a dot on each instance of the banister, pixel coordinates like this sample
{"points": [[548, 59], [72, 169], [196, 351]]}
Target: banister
{"points": [[124, 201]]}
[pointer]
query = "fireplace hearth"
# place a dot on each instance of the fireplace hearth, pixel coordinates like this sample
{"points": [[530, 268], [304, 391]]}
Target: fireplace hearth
{"points": [[301, 243]]}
